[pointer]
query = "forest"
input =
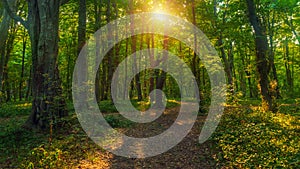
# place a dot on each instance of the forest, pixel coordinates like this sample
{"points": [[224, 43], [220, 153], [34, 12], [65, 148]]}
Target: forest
{"points": [[162, 60]]}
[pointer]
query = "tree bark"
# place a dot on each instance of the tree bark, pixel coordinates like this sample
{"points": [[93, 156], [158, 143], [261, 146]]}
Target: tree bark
{"points": [[42, 25], [226, 64], [125, 94], [48, 103], [272, 54], [261, 43], [196, 60], [110, 53], [161, 75], [29, 86], [151, 52], [220, 44], [289, 79], [8, 49], [4, 27], [81, 24], [23, 66], [97, 15], [133, 50], [81, 41]]}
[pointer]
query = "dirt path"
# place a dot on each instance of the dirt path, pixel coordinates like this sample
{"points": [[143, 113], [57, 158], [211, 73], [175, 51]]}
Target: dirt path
{"points": [[188, 154]]}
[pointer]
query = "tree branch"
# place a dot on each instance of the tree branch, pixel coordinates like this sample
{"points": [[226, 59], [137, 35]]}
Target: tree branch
{"points": [[289, 22], [13, 15]]}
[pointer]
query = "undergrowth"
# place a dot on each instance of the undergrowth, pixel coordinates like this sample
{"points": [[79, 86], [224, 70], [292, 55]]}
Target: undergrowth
{"points": [[68, 145], [246, 138], [250, 138]]}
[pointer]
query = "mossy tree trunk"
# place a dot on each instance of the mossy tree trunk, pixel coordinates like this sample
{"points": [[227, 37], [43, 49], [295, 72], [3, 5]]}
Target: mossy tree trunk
{"points": [[42, 24]]}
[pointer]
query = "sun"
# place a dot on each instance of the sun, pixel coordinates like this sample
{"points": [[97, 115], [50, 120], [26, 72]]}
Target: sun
{"points": [[160, 13]]}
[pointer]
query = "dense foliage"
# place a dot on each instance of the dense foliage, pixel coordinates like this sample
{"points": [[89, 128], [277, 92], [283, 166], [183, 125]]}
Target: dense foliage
{"points": [[249, 138]]}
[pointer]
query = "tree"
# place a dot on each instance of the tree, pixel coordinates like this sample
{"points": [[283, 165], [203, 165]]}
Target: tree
{"points": [[220, 44], [42, 26], [133, 50], [261, 43], [271, 32], [81, 24], [23, 65], [4, 27]]}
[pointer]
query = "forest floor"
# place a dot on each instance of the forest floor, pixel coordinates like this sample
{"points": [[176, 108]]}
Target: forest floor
{"points": [[187, 154], [245, 138], [69, 147]]}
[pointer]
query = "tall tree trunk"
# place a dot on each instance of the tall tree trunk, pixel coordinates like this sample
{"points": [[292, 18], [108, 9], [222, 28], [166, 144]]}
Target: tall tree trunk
{"points": [[231, 66], [142, 88], [110, 53], [23, 66], [97, 15], [261, 56], [48, 103], [151, 52], [8, 49], [252, 93], [81, 24], [68, 78], [196, 63], [161, 75], [29, 86], [125, 94], [272, 54], [226, 63], [4, 27], [220, 44], [81, 40], [242, 78], [293, 69], [7, 85], [289, 79], [116, 49], [133, 50], [104, 88]]}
